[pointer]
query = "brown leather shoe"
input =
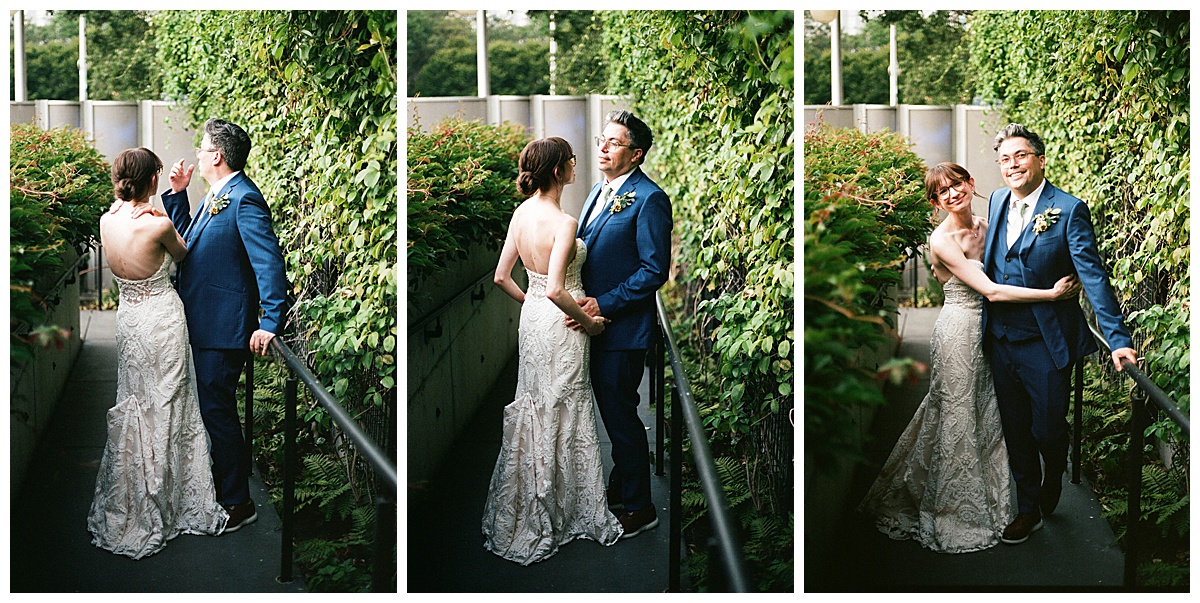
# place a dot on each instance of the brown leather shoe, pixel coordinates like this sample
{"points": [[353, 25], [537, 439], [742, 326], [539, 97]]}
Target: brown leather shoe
{"points": [[240, 515], [636, 522], [1019, 530]]}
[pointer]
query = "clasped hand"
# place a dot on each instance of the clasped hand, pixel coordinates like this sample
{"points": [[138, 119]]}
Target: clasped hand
{"points": [[591, 308]]}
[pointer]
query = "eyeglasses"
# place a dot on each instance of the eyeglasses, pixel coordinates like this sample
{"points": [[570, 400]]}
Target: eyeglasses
{"points": [[1017, 157], [209, 151], [612, 142], [942, 192], [572, 160]]}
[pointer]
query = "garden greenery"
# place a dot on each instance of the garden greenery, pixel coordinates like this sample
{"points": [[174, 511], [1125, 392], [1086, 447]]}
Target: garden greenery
{"points": [[58, 188], [865, 212], [317, 92], [717, 90], [1109, 93], [461, 191]]}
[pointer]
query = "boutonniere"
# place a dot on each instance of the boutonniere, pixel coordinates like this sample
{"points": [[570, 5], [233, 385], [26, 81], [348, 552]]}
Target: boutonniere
{"points": [[621, 202], [1044, 220], [218, 204]]}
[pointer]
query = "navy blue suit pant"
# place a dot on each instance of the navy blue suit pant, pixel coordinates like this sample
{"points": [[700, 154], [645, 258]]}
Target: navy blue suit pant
{"points": [[616, 376], [217, 373]]}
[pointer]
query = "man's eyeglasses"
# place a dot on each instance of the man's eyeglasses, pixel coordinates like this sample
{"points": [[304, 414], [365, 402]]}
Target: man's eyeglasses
{"points": [[1017, 157], [612, 142]]}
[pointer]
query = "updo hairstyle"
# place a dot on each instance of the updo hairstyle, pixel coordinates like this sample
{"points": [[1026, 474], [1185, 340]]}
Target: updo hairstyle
{"points": [[133, 173], [538, 161]]}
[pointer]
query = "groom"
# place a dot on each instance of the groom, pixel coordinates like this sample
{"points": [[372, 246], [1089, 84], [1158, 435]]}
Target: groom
{"points": [[626, 225], [233, 268], [1039, 234]]}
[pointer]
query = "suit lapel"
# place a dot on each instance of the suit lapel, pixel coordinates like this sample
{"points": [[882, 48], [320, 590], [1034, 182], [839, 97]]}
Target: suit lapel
{"points": [[587, 209], [207, 216], [1046, 201], [997, 243]]}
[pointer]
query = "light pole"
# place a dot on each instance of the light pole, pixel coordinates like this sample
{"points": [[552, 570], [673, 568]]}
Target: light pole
{"points": [[894, 70], [832, 18]]}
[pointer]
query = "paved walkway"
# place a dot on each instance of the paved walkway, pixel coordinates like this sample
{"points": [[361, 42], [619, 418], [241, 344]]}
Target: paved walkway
{"points": [[50, 546], [1074, 551], [445, 545]]}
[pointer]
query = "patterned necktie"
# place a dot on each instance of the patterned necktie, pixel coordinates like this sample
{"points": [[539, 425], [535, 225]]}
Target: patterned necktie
{"points": [[1016, 221]]}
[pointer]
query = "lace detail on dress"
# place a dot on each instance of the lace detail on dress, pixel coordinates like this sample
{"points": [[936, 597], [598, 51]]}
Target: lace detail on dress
{"points": [[547, 487], [947, 482], [155, 480]]}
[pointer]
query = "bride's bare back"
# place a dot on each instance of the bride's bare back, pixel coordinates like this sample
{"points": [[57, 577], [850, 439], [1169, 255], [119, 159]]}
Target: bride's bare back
{"points": [[135, 246], [536, 227]]}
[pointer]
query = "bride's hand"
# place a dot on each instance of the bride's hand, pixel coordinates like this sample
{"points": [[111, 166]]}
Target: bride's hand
{"points": [[1067, 286], [598, 325]]}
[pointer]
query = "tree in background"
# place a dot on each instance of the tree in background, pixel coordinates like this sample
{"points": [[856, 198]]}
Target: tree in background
{"points": [[580, 66], [121, 64], [441, 55], [931, 49]]}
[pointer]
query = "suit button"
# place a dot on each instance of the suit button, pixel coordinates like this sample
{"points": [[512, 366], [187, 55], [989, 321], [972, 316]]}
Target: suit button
{"points": [[1006, 277], [1007, 260]]}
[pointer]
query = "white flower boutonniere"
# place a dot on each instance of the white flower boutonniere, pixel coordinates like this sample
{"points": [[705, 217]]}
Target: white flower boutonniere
{"points": [[1044, 220], [218, 204], [621, 202]]}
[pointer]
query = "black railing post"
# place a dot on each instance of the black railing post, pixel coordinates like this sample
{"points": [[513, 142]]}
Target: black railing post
{"points": [[385, 543], [1077, 436], [657, 377], [676, 513], [250, 413], [289, 478], [1137, 440]]}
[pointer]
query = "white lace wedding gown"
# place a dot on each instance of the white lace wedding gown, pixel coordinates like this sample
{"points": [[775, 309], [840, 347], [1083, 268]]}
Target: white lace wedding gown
{"points": [[155, 480], [547, 488], [947, 482]]}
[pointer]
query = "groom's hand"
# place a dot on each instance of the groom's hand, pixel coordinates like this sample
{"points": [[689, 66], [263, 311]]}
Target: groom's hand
{"points": [[180, 178], [590, 307], [259, 341], [1124, 354]]}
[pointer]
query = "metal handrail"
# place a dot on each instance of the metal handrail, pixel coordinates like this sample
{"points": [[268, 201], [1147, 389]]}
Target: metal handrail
{"points": [[385, 468], [727, 545], [1139, 420]]}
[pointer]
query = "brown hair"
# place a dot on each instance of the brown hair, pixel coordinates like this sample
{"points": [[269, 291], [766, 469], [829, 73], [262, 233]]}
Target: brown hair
{"points": [[133, 173], [943, 171], [538, 161]]}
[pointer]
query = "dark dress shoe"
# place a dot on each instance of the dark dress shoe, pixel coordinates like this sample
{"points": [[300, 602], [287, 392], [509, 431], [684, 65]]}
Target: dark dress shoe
{"points": [[636, 522], [1049, 494], [1019, 530], [240, 515]]}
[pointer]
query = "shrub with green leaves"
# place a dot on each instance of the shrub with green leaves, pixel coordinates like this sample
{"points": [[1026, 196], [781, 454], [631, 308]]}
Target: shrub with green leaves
{"points": [[716, 88], [317, 92], [461, 190], [58, 188], [865, 212]]}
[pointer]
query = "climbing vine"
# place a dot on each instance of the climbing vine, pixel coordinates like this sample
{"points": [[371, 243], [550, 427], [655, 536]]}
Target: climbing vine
{"points": [[722, 115], [316, 91]]}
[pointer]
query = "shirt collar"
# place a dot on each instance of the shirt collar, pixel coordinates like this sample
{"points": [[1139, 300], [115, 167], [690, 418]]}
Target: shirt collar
{"points": [[615, 183], [1032, 199], [222, 182]]}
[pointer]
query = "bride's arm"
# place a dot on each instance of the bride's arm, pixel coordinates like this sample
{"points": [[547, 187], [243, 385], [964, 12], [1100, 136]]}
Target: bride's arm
{"points": [[504, 268], [556, 275], [952, 257], [169, 237]]}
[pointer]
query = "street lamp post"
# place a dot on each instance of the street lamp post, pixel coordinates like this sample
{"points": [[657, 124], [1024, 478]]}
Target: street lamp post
{"points": [[833, 19], [894, 70]]}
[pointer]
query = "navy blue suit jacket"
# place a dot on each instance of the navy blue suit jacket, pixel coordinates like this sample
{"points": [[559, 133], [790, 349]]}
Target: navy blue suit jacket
{"points": [[233, 266], [629, 256], [1067, 246]]}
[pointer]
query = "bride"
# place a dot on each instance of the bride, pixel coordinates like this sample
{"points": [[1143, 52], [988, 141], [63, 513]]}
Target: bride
{"points": [[947, 483], [547, 487], [154, 481]]}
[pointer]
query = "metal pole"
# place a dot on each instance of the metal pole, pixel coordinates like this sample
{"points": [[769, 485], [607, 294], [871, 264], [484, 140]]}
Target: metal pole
{"points": [[1137, 439], [289, 478], [657, 377], [1077, 437], [19, 91], [250, 413], [673, 565], [835, 46], [553, 55], [83, 91], [894, 70], [481, 60]]}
